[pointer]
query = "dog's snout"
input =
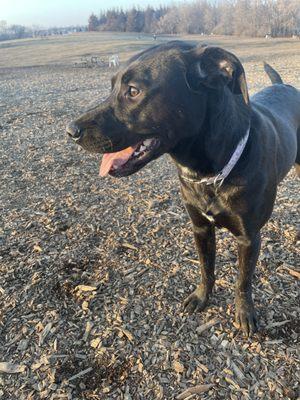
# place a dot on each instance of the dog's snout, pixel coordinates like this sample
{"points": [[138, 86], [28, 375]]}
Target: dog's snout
{"points": [[74, 131]]}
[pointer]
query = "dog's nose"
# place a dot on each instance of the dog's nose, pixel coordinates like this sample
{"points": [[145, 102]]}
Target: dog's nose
{"points": [[74, 131]]}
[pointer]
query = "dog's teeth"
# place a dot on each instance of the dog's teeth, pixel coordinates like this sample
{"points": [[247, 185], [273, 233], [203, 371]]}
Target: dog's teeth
{"points": [[142, 148], [147, 142]]}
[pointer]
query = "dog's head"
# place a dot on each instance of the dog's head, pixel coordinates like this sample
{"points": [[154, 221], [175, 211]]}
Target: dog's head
{"points": [[157, 100]]}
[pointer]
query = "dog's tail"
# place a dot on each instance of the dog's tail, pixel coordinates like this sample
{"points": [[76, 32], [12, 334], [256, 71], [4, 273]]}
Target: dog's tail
{"points": [[272, 74]]}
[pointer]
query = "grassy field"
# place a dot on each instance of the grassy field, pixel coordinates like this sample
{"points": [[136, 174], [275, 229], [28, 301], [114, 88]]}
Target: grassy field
{"points": [[67, 49], [93, 271]]}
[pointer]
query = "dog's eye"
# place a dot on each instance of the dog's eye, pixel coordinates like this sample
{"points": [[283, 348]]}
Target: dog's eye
{"points": [[133, 91]]}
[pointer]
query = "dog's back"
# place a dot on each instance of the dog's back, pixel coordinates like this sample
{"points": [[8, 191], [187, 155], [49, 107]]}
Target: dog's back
{"points": [[281, 102]]}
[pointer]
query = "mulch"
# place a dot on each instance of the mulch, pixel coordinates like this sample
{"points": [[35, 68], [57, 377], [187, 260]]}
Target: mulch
{"points": [[94, 271]]}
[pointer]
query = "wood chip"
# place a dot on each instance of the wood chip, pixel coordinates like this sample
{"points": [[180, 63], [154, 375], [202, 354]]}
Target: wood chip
{"points": [[238, 371], [197, 262], [10, 368], [276, 324], [95, 342], [178, 367], [292, 272], [194, 390], [232, 382], [202, 367], [84, 372], [207, 325], [44, 333], [129, 246], [36, 366], [85, 288], [88, 328], [126, 333]]}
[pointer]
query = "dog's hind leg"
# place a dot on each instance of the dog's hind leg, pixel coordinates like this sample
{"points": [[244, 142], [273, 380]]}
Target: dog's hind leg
{"points": [[204, 233]]}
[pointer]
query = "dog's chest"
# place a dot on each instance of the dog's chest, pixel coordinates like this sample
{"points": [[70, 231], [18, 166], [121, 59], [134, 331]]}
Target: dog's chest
{"points": [[208, 201]]}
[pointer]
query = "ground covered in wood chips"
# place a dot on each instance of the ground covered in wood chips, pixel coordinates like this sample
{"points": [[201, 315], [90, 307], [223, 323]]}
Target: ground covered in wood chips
{"points": [[94, 271]]}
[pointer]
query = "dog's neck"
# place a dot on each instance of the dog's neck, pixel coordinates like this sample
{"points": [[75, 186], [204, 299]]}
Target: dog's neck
{"points": [[227, 121]]}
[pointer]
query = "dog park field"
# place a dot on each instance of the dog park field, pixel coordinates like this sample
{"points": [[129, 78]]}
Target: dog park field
{"points": [[93, 272]]}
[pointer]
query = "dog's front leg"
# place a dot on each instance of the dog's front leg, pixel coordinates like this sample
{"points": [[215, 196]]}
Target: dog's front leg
{"points": [[204, 233], [248, 251]]}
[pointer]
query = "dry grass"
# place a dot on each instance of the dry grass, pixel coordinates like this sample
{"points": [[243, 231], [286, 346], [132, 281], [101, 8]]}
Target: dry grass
{"points": [[67, 49], [93, 272]]}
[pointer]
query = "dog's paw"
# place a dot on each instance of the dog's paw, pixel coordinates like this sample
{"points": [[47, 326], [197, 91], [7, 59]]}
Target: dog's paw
{"points": [[245, 317], [196, 301]]}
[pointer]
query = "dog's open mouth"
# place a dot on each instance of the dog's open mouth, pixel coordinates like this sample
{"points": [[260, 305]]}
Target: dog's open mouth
{"points": [[129, 160]]}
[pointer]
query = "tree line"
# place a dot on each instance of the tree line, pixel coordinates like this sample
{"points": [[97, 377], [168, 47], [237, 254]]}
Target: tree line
{"points": [[9, 32], [223, 17]]}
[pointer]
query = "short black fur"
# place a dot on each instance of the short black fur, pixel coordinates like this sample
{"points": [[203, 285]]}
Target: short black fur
{"points": [[194, 100]]}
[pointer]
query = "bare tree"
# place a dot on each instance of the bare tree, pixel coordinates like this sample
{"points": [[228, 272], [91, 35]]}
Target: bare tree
{"points": [[226, 17]]}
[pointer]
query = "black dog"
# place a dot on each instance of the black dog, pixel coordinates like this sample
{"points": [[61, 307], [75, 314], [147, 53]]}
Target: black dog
{"points": [[231, 153]]}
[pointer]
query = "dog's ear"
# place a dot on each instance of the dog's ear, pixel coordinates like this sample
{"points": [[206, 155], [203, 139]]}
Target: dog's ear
{"points": [[215, 68]]}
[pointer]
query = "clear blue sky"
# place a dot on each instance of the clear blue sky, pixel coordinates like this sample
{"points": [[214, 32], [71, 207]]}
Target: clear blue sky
{"points": [[61, 12]]}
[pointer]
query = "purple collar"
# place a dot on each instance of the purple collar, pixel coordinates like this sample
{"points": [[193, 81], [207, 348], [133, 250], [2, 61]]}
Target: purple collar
{"points": [[218, 179]]}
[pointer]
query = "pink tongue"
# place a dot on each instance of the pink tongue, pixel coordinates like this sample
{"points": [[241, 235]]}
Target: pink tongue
{"points": [[110, 160]]}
